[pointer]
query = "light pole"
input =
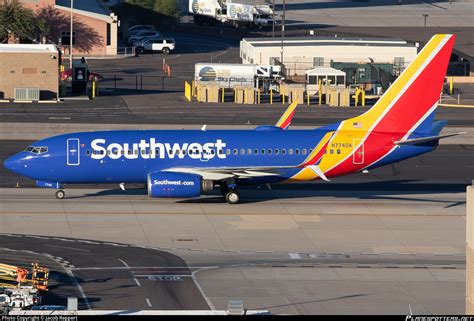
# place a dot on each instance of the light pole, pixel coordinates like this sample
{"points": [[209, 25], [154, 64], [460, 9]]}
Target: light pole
{"points": [[70, 38], [425, 16], [282, 31], [273, 19]]}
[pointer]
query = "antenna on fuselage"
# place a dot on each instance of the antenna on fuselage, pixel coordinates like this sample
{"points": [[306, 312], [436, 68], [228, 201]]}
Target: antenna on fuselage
{"points": [[122, 186], [203, 128]]}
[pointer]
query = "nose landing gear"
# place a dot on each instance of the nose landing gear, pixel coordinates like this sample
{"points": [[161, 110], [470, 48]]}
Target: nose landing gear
{"points": [[60, 194]]}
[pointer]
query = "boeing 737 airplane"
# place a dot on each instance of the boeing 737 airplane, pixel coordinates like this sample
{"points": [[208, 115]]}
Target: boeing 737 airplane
{"points": [[186, 163]]}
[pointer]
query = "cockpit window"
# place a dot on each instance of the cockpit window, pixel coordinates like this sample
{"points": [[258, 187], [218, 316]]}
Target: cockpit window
{"points": [[37, 150]]}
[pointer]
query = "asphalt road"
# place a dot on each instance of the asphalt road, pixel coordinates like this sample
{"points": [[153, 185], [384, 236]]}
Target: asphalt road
{"points": [[107, 275]]}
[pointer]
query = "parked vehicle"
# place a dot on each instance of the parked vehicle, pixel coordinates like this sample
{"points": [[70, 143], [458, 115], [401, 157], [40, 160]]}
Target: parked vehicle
{"points": [[164, 45], [231, 75], [142, 34], [137, 28], [67, 75], [233, 13]]}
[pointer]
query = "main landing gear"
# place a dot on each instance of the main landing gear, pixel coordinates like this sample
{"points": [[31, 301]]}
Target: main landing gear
{"points": [[60, 194], [230, 193]]}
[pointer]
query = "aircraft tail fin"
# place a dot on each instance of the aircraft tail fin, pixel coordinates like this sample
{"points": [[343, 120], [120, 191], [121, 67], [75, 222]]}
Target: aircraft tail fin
{"points": [[410, 102]]}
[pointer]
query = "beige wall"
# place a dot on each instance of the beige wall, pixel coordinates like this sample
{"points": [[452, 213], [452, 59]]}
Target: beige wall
{"points": [[35, 70], [91, 32], [301, 58], [470, 251]]}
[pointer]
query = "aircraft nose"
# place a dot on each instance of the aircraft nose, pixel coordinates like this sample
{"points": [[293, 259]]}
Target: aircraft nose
{"points": [[11, 163]]}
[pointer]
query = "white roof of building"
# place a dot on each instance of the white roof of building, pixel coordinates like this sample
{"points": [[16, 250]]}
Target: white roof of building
{"points": [[28, 48], [323, 71]]}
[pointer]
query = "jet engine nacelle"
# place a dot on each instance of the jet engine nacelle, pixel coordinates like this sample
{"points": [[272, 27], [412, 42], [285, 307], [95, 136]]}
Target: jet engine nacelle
{"points": [[171, 184]]}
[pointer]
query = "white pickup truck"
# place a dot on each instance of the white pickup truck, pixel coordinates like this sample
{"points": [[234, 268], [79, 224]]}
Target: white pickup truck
{"points": [[165, 45]]}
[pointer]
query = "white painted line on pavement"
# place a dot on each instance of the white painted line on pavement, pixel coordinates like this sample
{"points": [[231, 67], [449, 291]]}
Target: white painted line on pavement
{"points": [[124, 263], [148, 302], [136, 281], [295, 256]]}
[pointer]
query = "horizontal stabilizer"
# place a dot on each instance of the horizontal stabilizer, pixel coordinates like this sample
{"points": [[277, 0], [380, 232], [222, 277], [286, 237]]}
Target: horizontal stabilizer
{"points": [[428, 139]]}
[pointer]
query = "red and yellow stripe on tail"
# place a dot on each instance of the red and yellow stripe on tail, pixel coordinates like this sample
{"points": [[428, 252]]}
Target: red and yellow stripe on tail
{"points": [[396, 114]]}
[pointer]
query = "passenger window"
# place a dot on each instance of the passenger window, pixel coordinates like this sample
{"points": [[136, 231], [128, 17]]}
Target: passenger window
{"points": [[303, 151], [249, 151], [227, 151], [269, 152], [88, 152], [236, 151], [283, 151], [331, 151], [338, 151], [277, 151], [290, 151], [221, 151], [255, 151], [297, 151], [263, 152], [311, 150], [242, 151]]}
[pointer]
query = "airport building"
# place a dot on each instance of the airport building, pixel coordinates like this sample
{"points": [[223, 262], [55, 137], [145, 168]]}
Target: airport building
{"points": [[94, 25], [30, 72], [363, 59]]}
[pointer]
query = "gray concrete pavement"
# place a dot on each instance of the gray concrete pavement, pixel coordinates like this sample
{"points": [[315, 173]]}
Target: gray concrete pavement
{"points": [[294, 253]]}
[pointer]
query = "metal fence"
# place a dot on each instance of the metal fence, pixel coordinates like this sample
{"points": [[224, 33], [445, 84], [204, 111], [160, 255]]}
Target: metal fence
{"points": [[122, 84]]}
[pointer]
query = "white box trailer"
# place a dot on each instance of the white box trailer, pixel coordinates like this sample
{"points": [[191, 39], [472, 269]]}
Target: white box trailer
{"points": [[238, 14], [226, 75]]}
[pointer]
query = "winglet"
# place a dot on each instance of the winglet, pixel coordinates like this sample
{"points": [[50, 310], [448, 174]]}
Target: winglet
{"points": [[318, 172], [285, 120]]}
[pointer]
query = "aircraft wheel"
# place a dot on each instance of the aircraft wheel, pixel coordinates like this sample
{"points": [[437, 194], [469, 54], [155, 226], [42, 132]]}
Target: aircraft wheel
{"points": [[60, 194], [233, 197]]}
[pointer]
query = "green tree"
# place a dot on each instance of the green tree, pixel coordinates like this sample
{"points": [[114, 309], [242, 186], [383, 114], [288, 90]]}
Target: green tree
{"points": [[167, 7], [19, 21]]}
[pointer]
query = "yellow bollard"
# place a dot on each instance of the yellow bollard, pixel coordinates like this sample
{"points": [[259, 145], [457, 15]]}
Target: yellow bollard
{"points": [[223, 91], [93, 88], [450, 85], [282, 99], [258, 95], [320, 92], [356, 97], [363, 96], [193, 88], [271, 97], [308, 98], [62, 68], [245, 96]]}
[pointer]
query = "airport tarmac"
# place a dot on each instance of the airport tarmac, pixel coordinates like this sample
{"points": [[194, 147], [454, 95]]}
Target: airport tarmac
{"points": [[289, 251], [368, 243], [106, 275]]}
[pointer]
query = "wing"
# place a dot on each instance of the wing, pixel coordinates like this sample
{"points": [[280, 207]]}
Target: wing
{"points": [[222, 173], [285, 119]]}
